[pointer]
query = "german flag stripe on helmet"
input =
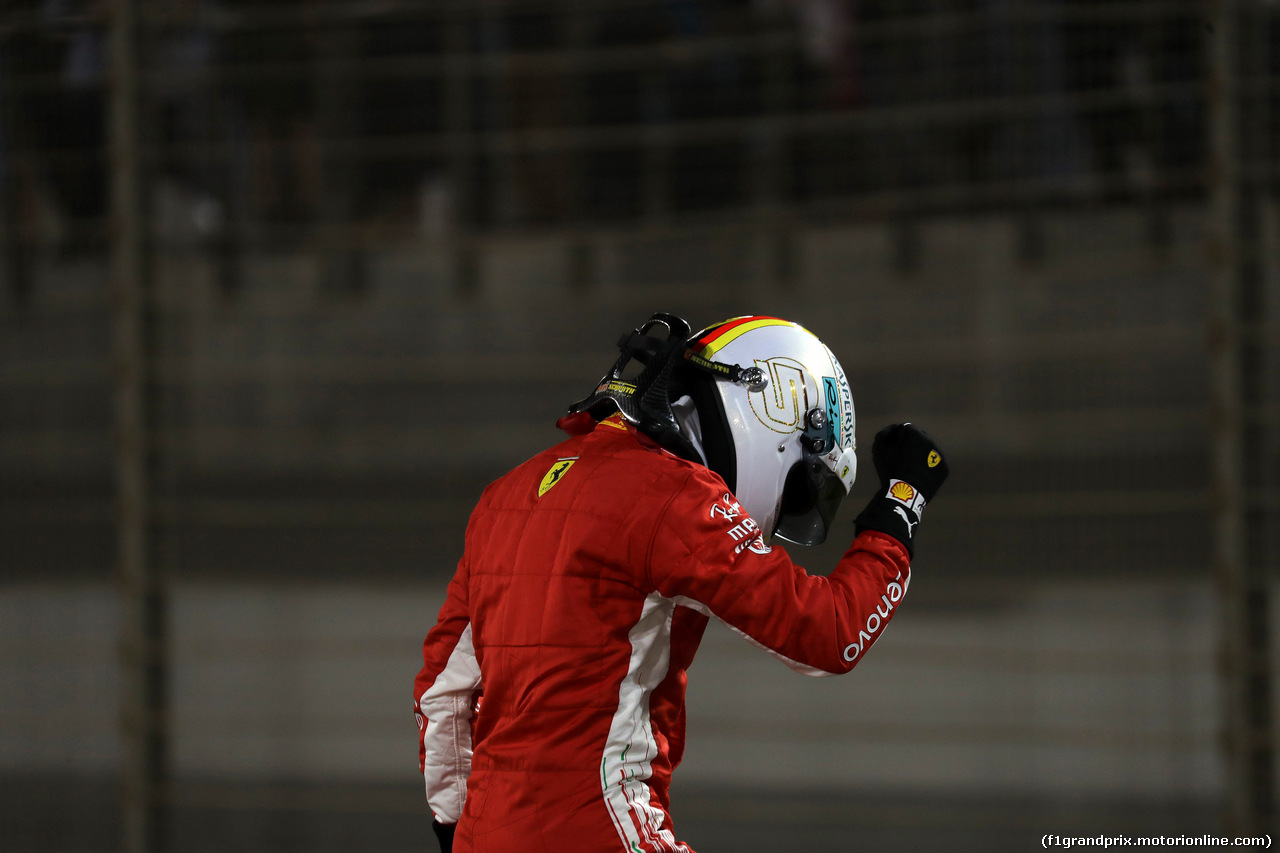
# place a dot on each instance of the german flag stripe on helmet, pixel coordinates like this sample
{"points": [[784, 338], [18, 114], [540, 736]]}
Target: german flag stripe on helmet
{"points": [[718, 337]]}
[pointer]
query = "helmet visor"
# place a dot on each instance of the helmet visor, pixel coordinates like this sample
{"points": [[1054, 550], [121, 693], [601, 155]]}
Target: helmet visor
{"points": [[810, 498]]}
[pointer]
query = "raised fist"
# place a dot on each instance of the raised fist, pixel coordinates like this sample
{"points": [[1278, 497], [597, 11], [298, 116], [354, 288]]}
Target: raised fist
{"points": [[911, 469]]}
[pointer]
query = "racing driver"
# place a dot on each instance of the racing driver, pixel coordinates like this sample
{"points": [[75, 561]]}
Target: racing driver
{"points": [[550, 704]]}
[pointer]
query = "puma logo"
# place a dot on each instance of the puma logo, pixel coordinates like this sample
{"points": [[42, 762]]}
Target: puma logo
{"points": [[911, 525]]}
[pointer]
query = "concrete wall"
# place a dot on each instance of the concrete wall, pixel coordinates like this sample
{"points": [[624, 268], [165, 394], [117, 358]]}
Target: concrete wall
{"points": [[1054, 689]]}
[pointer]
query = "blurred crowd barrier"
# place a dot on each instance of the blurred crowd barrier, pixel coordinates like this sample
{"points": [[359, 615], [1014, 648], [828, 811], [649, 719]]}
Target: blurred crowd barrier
{"points": [[386, 243], [354, 124]]}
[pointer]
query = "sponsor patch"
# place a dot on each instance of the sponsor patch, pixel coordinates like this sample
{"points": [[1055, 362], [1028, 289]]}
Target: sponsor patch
{"points": [[616, 386], [877, 619], [934, 459], [555, 473], [726, 508], [748, 537], [845, 434], [911, 525], [832, 393], [907, 495], [744, 531]]}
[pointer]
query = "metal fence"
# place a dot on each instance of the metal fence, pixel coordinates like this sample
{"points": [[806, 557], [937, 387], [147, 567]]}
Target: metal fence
{"points": [[287, 283]]}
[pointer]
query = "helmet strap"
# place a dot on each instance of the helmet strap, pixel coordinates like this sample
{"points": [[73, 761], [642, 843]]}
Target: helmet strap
{"points": [[752, 377], [646, 400]]}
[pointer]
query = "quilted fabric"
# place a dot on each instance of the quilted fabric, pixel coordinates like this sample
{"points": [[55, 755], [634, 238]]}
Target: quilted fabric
{"points": [[551, 700]]}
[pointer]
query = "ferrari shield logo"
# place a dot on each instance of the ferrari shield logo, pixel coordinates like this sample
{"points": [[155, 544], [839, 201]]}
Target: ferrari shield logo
{"points": [[554, 474]]}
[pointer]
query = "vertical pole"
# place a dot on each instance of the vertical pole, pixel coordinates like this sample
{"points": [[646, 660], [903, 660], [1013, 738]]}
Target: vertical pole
{"points": [[583, 251], [1258, 459], [141, 593], [17, 259], [462, 165], [457, 114], [1241, 580], [774, 237], [337, 101], [501, 114], [655, 153]]}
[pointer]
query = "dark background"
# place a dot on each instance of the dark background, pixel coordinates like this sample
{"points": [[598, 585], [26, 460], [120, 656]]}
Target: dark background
{"points": [[384, 244]]}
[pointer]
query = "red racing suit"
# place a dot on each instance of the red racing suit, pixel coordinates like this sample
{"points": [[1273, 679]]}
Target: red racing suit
{"points": [[550, 704]]}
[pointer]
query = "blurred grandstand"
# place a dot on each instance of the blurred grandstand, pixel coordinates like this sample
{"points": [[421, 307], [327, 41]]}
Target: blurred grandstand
{"points": [[286, 282]]}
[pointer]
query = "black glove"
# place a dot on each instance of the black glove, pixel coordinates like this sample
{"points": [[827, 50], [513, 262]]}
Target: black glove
{"points": [[444, 831], [911, 469]]}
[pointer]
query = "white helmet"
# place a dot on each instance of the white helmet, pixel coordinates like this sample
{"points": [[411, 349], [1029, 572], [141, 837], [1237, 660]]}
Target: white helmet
{"points": [[786, 445], [760, 400]]}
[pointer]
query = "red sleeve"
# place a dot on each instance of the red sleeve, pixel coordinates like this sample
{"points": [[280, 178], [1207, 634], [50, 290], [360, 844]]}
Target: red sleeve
{"points": [[707, 551]]}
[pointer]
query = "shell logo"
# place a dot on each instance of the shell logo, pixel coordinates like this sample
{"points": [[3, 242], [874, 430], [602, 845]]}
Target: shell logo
{"points": [[903, 492]]}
